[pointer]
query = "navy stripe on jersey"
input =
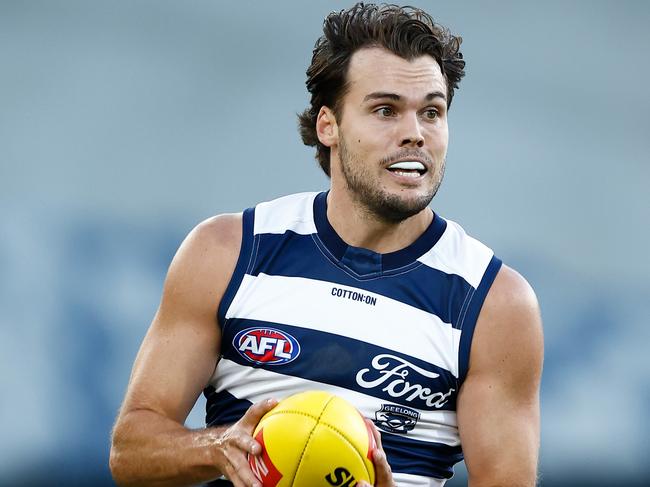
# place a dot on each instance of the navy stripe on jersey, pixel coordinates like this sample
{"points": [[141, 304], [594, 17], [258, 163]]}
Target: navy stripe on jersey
{"points": [[406, 455], [222, 407], [468, 321], [328, 358], [424, 288], [243, 261]]}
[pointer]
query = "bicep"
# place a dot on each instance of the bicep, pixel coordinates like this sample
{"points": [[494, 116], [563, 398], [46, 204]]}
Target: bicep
{"points": [[498, 405], [180, 350]]}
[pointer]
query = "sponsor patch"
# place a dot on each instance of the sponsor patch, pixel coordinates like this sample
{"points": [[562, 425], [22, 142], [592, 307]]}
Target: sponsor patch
{"points": [[396, 419], [267, 346], [403, 380]]}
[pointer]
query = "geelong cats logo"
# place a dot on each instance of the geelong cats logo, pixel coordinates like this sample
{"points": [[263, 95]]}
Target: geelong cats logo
{"points": [[396, 419]]}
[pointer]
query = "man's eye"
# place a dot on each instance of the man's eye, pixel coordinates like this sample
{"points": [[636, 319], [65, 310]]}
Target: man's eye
{"points": [[386, 112], [431, 114]]}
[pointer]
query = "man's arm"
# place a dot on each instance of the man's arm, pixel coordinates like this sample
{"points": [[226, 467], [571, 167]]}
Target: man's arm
{"points": [[498, 404], [150, 445]]}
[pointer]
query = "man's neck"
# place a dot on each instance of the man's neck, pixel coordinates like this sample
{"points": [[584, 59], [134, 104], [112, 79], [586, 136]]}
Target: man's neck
{"points": [[358, 227]]}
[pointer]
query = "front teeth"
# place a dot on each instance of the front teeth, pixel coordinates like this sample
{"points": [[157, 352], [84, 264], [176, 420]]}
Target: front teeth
{"points": [[411, 174], [412, 165]]}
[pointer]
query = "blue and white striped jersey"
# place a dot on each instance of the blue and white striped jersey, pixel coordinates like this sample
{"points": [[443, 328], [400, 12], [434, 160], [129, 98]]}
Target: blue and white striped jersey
{"points": [[391, 333]]}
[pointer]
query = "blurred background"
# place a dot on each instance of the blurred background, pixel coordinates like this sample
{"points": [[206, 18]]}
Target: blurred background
{"points": [[125, 123]]}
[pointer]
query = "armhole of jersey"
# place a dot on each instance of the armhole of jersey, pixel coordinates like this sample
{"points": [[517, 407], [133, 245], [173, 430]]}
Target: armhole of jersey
{"points": [[473, 310], [247, 237]]}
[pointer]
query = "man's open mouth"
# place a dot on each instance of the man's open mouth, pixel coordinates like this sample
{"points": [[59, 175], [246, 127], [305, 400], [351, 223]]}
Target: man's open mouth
{"points": [[412, 169]]}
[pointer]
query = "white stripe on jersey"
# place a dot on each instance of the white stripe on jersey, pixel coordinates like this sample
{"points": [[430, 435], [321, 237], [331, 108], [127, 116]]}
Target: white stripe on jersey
{"points": [[395, 326], [408, 480], [294, 212], [258, 384], [458, 253]]}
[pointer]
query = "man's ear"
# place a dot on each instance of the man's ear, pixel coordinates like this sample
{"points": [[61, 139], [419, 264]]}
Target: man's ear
{"points": [[327, 128]]}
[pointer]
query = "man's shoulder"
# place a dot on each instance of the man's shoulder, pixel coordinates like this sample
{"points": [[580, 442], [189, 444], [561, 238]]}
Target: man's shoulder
{"points": [[511, 292], [217, 232], [212, 246], [200, 270], [511, 313]]}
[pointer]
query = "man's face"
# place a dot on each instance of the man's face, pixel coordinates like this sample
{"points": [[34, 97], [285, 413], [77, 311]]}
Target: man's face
{"points": [[392, 133]]}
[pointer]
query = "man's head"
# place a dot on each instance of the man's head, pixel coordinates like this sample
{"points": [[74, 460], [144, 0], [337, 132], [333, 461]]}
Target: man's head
{"points": [[404, 31]]}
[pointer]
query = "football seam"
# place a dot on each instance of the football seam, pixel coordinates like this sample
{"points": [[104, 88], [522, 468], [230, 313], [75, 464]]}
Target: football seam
{"points": [[311, 433], [354, 447], [292, 411]]}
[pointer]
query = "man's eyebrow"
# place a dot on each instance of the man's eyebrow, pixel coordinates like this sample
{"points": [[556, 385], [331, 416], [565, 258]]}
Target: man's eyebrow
{"points": [[381, 95], [435, 94]]}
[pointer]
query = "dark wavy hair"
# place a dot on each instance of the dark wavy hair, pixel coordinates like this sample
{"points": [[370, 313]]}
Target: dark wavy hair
{"points": [[405, 31]]}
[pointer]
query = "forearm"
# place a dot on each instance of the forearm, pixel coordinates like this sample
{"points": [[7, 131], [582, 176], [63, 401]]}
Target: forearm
{"points": [[149, 449]]}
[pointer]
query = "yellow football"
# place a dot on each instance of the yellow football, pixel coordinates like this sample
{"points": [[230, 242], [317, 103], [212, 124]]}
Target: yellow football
{"points": [[313, 439]]}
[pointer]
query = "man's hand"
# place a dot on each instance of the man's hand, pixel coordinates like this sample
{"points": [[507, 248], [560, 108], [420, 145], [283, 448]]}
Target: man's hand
{"points": [[237, 442], [383, 474]]}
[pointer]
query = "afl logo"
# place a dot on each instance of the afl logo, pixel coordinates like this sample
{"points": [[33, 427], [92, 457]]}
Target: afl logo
{"points": [[266, 346]]}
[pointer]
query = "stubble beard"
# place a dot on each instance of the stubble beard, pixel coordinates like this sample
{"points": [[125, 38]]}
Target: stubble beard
{"points": [[377, 203]]}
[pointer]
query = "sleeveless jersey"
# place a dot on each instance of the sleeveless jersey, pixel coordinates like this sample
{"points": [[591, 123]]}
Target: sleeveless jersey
{"points": [[391, 333]]}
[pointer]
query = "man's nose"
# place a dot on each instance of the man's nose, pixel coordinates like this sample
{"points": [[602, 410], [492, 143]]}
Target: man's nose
{"points": [[411, 131]]}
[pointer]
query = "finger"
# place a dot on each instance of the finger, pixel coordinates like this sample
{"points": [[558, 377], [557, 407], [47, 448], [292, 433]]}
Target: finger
{"points": [[241, 480], [243, 469], [375, 432], [247, 476], [240, 474], [255, 413], [383, 474], [247, 424], [237, 481], [231, 474]]}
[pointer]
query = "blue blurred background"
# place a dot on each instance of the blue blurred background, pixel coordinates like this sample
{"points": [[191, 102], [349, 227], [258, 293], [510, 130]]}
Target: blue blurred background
{"points": [[124, 123]]}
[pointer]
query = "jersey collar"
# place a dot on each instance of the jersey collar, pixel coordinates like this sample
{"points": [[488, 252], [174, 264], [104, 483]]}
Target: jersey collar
{"points": [[364, 261]]}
